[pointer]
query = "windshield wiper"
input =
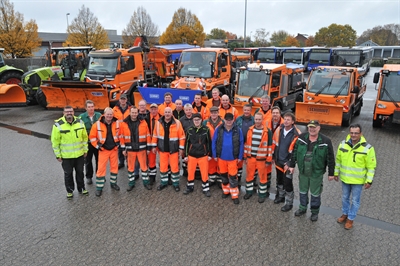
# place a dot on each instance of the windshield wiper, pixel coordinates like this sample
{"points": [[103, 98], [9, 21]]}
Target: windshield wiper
{"points": [[327, 85], [341, 88], [388, 94]]}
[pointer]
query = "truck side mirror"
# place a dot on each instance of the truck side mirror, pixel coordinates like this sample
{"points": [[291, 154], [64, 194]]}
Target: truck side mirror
{"points": [[376, 78]]}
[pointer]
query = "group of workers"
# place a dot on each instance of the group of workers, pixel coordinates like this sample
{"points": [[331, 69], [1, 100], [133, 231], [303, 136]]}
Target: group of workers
{"points": [[211, 137]]}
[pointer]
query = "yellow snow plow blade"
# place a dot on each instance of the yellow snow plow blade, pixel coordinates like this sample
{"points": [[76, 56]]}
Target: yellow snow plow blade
{"points": [[12, 95], [326, 114], [59, 94]]}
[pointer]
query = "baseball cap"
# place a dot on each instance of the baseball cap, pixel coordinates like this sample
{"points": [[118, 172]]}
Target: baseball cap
{"points": [[196, 115], [123, 96], [228, 116], [153, 105], [313, 123], [214, 109]]}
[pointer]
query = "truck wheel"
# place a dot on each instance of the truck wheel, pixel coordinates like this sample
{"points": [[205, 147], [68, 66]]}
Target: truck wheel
{"points": [[41, 98], [358, 112], [299, 99], [11, 78], [376, 123], [347, 119]]}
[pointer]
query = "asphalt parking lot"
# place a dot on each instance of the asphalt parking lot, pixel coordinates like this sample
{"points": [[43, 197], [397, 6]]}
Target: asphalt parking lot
{"points": [[39, 226]]}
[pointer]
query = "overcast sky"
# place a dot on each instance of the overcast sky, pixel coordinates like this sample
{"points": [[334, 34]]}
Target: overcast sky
{"points": [[294, 16]]}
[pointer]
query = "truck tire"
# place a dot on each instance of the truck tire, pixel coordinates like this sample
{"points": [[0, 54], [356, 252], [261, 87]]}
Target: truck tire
{"points": [[376, 123], [358, 112], [347, 118], [11, 77], [41, 98], [299, 99]]}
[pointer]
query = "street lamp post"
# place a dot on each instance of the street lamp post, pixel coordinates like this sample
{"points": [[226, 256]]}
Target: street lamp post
{"points": [[67, 20], [245, 14]]}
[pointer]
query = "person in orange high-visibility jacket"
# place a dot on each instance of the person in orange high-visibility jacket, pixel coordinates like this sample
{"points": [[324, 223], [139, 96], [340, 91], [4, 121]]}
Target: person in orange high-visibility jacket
{"points": [[151, 157], [267, 117], [104, 136], [226, 108], [257, 152], [200, 107], [135, 140], [215, 100], [121, 111], [284, 140], [169, 138], [167, 103], [212, 123], [276, 119], [265, 109], [197, 153]]}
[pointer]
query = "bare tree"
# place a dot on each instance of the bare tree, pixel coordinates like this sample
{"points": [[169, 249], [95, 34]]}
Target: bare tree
{"points": [[86, 29], [139, 24]]}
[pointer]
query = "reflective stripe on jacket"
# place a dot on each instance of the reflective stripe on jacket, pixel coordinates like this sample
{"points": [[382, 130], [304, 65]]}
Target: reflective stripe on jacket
{"points": [[98, 133], [121, 115], [144, 140], [176, 136], [355, 165], [276, 138], [204, 111], [264, 151], [69, 140]]}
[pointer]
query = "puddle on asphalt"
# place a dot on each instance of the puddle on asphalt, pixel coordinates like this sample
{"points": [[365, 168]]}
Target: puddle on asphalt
{"points": [[26, 131]]}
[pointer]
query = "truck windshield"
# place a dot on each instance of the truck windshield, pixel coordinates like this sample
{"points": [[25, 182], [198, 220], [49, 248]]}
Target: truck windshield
{"points": [[252, 83], [347, 58], [196, 64], [330, 83], [266, 56], [319, 58], [103, 66], [390, 88]]}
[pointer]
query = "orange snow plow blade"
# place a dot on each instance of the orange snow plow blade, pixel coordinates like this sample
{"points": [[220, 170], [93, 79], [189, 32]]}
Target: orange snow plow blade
{"points": [[59, 94], [12, 95], [326, 114]]}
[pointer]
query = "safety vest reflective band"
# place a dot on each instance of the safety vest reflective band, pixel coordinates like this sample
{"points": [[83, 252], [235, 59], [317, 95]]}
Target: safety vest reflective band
{"points": [[355, 165], [68, 140]]}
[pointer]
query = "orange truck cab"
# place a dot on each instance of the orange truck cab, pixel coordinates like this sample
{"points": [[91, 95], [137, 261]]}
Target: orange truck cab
{"points": [[111, 73], [387, 104], [204, 69], [284, 84], [333, 95]]}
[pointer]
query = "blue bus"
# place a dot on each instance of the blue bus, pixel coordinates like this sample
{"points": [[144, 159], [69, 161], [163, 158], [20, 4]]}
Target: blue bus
{"points": [[263, 54], [270, 55], [320, 56]]}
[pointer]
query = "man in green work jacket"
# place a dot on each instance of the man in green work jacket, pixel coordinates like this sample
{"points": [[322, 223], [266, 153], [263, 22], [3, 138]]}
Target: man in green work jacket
{"points": [[313, 152]]}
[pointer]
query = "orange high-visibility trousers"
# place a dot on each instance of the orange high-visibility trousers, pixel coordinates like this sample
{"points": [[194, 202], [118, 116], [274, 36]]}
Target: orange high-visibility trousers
{"points": [[212, 166], [172, 160], [228, 170], [192, 163], [141, 156], [229, 167], [252, 166], [104, 157], [151, 157]]}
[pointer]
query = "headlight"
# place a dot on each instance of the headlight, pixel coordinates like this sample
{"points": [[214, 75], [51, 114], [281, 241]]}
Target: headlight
{"points": [[382, 106], [342, 101], [310, 98]]}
